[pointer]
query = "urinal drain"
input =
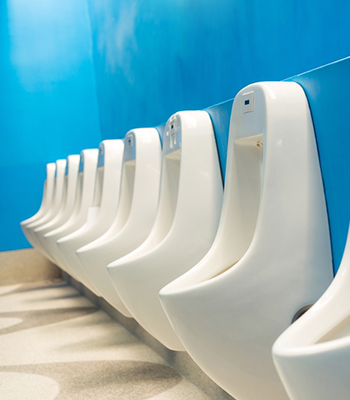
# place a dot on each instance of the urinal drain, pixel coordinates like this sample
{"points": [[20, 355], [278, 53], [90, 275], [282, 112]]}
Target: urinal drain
{"points": [[301, 312]]}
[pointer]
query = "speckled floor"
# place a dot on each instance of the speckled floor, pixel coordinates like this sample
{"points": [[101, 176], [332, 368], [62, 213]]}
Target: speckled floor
{"points": [[55, 344]]}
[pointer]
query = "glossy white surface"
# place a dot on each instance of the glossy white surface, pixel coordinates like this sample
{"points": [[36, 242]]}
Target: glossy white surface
{"points": [[57, 200], [185, 226], [134, 216], [48, 192], [83, 200], [271, 255], [313, 355], [67, 206], [102, 212]]}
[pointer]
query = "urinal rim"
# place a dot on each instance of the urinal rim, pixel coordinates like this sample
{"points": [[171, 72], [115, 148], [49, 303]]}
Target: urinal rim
{"points": [[131, 258], [112, 150], [114, 146], [97, 243], [62, 212], [43, 208], [147, 147], [185, 288], [48, 214], [91, 153], [92, 246], [52, 233], [280, 350], [284, 346], [237, 265]]}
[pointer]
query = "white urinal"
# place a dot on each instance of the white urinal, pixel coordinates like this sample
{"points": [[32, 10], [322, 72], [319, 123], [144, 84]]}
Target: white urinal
{"points": [[83, 200], [135, 215], [66, 209], [271, 256], [185, 226], [313, 355], [102, 212], [46, 201], [57, 200]]}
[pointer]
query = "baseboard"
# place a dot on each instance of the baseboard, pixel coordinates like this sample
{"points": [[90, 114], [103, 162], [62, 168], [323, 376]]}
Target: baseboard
{"points": [[24, 266]]}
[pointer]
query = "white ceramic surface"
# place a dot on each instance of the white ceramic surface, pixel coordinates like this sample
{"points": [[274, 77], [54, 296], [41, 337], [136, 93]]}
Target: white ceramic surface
{"points": [[67, 206], [185, 226], [313, 355], [57, 200], [49, 186], [271, 255], [102, 212], [83, 200], [135, 214]]}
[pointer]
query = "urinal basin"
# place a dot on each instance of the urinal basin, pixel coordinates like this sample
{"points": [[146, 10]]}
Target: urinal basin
{"points": [[66, 209], [57, 200], [100, 216], [312, 356], [135, 214], [48, 191], [83, 200], [185, 226], [271, 255]]}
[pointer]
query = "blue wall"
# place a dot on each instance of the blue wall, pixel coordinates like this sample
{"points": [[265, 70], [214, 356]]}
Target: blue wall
{"points": [[48, 101], [78, 71], [153, 58]]}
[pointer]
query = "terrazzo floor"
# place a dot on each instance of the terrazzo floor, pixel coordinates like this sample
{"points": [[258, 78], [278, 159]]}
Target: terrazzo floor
{"points": [[55, 344]]}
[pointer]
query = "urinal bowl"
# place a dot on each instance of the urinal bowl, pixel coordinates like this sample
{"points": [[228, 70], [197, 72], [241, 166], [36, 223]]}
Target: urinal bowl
{"points": [[47, 196], [135, 215], [271, 255], [65, 211], [83, 200], [312, 356], [101, 213], [57, 200], [185, 226]]}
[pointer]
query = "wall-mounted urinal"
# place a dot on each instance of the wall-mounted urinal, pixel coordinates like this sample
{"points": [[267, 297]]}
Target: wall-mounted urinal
{"points": [[83, 200], [65, 211], [135, 215], [56, 203], [271, 256], [102, 212], [313, 355], [185, 226], [48, 192]]}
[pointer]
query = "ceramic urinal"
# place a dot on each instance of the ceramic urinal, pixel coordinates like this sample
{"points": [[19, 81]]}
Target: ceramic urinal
{"points": [[102, 212], [313, 355], [66, 209], [56, 203], [135, 215], [49, 188], [271, 256], [185, 226], [83, 200]]}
